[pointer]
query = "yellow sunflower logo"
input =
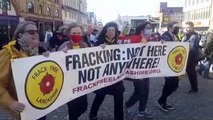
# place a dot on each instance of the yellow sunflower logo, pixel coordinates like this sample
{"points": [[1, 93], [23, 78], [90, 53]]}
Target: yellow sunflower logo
{"points": [[43, 84], [177, 59]]}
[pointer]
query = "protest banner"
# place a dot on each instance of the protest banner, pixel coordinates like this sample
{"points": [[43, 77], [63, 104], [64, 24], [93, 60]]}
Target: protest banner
{"points": [[45, 83]]}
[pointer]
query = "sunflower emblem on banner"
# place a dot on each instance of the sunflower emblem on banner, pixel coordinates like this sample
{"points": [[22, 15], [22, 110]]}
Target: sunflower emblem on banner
{"points": [[43, 84]]}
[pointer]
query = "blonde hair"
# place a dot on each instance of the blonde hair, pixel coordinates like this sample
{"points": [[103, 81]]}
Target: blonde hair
{"points": [[71, 26], [21, 28]]}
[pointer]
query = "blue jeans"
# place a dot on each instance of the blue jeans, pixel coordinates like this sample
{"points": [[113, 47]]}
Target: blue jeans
{"points": [[204, 67]]}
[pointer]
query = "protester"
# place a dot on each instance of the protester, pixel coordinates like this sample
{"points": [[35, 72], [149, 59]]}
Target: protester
{"points": [[77, 106], [131, 32], [59, 37], [181, 35], [108, 36], [157, 34], [193, 39], [3, 39], [209, 56], [141, 86], [171, 83], [48, 35], [86, 36], [93, 37], [25, 45]]}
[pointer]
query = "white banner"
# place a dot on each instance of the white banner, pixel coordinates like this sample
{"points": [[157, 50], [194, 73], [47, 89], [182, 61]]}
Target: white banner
{"points": [[45, 83]]}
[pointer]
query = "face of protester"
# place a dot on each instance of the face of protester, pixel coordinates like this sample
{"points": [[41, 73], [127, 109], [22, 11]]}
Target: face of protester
{"points": [[110, 33], [147, 30], [175, 29], [76, 35], [30, 36], [188, 29]]}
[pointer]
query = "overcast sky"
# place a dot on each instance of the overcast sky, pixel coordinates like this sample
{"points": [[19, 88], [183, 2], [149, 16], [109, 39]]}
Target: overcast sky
{"points": [[108, 10]]}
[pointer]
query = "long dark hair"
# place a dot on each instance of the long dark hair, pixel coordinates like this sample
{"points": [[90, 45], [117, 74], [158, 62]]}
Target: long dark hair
{"points": [[141, 27], [102, 35]]}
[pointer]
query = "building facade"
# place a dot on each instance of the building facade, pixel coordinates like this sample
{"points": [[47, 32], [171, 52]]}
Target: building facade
{"points": [[47, 14], [200, 13], [74, 11], [169, 14]]}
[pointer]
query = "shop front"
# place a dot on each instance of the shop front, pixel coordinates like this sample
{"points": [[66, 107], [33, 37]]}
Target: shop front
{"points": [[8, 25]]}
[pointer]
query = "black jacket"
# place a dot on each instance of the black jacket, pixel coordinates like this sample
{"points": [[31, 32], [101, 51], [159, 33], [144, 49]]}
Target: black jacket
{"points": [[193, 40]]}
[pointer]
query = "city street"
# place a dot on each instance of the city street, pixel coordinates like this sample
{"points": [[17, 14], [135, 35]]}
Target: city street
{"points": [[188, 106]]}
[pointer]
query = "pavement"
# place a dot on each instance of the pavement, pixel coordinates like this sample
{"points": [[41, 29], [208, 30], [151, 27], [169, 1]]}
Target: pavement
{"points": [[197, 106]]}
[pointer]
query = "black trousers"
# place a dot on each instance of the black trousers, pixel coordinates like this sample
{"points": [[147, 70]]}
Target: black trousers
{"points": [[190, 69], [171, 84], [141, 93], [118, 105], [77, 107]]}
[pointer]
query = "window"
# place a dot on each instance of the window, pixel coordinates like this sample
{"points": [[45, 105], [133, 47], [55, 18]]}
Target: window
{"points": [[196, 15], [48, 11], [70, 15], [30, 7], [193, 2], [202, 14], [56, 13], [197, 2], [1, 4], [40, 10], [56, 1], [189, 3], [65, 13], [8, 4]]}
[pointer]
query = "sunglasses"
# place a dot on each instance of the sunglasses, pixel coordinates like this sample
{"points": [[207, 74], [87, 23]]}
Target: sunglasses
{"points": [[31, 32]]}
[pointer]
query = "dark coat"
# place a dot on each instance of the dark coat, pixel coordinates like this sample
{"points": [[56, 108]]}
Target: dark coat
{"points": [[193, 40], [209, 46]]}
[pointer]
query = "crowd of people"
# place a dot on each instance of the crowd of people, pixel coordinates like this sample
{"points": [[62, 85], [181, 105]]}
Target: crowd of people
{"points": [[26, 43]]}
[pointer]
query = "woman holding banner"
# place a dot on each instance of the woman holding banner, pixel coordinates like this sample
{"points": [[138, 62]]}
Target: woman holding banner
{"points": [[141, 86], [25, 45], [108, 36], [77, 106]]}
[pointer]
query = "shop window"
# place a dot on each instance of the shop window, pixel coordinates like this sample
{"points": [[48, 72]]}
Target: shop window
{"points": [[30, 7]]}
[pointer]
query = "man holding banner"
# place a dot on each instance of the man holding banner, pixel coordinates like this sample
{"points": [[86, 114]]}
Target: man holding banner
{"points": [[171, 83], [24, 45]]}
